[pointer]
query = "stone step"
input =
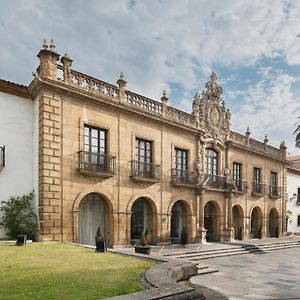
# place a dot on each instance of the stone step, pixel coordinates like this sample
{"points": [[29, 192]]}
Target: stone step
{"points": [[203, 251], [207, 270], [273, 247], [210, 256], [214, 253]]}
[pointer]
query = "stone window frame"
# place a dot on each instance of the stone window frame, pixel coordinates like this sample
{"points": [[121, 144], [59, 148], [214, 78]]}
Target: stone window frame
{"points": [[181, 147], [96, 125], [135, 136]]}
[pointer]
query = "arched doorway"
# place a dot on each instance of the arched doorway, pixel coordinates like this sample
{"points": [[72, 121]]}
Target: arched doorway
{"points": [[238, 217], [178, 221], [141, 218], [93, 212], [273, 223], [211, 221], [256, 223]]}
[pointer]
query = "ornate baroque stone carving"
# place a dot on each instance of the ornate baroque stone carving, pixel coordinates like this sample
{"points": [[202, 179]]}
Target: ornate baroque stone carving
{"points": [[209, 109]]}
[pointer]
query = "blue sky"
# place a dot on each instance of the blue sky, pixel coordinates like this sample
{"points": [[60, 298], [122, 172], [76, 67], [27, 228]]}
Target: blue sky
{"points": [[253, 46]]}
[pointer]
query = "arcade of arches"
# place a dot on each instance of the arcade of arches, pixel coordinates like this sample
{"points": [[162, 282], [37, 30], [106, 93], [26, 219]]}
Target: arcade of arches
{"points": [[95, 210]]}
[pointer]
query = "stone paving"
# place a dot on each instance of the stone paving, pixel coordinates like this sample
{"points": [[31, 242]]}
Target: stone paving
{"points": [[274, 275]]}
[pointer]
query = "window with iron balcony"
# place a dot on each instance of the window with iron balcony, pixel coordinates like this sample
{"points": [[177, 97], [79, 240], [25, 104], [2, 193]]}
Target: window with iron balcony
{"points": [[275, 191], [257, 186], [180, 173], [241, 185], [94, 159], [142, 167], [212, 179]]}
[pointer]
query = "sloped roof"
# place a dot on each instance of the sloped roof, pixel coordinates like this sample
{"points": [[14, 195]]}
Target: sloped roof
{"points": [[12, 88]]}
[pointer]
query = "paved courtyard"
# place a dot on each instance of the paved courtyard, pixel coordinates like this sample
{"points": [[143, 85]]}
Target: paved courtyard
{"points": [[274, 275]]}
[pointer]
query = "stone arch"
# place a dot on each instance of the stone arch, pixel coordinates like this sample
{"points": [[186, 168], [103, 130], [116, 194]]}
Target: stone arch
{"points": [[76, 204], [256, 222], [212, 220], [238, 221], [273, 224], [180, 212], [141, 216], [95, 210]]}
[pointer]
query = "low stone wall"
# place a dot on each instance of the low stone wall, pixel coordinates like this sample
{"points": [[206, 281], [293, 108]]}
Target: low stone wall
{"points": [[163, 279]]}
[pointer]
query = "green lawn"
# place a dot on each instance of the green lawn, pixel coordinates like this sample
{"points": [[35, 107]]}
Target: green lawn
{"points": [[57, 271]]}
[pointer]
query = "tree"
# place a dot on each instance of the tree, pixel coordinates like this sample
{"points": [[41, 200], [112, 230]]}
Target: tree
{"points": [[19, 217], [297, 132]]}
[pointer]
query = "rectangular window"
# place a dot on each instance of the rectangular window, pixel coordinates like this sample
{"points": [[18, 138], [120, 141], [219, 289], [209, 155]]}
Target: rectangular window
{"points": [[273, 179], [257, 175], [257, 186], [273, 184], [237, 169], [180, 162], [95, 148], [95, 139], [298, 220], [143, 157]]}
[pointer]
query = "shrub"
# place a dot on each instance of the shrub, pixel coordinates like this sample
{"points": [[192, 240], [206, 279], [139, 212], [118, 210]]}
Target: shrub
{"points": [[19, 217], [144, 241]]}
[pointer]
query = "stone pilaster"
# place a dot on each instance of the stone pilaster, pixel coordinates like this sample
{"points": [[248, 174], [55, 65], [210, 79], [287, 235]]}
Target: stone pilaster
{"points": [[50, 167]]}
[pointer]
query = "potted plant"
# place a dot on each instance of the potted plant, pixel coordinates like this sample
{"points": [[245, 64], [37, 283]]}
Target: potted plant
{"points": [[183, 236], [143, 247], [100, 241], [148, 235]]}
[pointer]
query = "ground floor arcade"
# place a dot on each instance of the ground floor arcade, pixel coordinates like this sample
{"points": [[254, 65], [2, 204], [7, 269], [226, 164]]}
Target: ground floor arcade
{"points": [[208, 220]]}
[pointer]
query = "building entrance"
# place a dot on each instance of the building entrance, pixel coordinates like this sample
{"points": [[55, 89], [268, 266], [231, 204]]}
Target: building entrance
{"points": [[93, 212], [210, 221]]}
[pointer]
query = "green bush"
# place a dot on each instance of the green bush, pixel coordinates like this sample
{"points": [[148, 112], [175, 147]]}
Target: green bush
{"points": [[19, 217]]}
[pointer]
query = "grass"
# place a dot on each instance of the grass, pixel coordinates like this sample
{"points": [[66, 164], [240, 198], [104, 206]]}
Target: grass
{"points": [[58, 271]]}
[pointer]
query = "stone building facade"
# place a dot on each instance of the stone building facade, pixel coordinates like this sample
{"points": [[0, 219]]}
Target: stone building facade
{"points": [[109, 157], [293, 194]]}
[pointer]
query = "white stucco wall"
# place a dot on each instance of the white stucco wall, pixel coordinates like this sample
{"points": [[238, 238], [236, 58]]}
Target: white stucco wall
{"points": [[293, 183], [16, 133]]}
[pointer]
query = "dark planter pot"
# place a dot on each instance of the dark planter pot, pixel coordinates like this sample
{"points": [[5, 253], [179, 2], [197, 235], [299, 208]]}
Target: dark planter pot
{"points": [[21, 240], [183, 238], [100, 245], [142, 249]]}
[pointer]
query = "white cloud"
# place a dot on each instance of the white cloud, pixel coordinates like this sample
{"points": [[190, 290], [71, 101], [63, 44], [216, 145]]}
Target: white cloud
{"points": [[157, 43], [270, 108]]}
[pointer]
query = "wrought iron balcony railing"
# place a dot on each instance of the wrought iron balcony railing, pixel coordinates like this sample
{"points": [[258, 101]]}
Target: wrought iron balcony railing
{"points": [[241, 185], [275, 191], [92, 162], [145, 171], [2, 157], [183, 177], [216, 181], [258, 188]]}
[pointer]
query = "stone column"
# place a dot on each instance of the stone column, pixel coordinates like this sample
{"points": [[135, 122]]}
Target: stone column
{"points": [[201, 235], [122, 84], [48, 61], [229, 233]]}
